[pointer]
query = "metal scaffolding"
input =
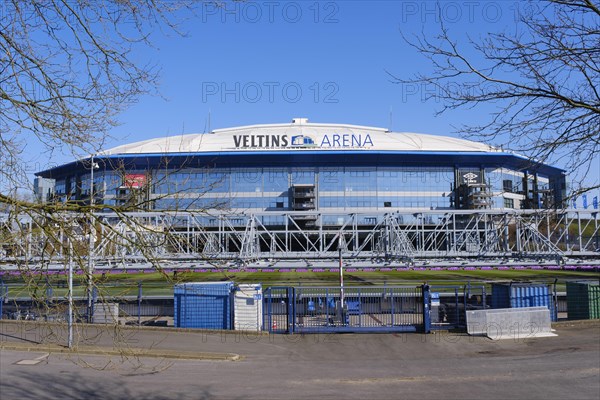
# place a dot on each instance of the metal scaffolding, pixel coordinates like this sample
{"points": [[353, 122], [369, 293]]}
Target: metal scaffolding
{"points": [[285, 239]]}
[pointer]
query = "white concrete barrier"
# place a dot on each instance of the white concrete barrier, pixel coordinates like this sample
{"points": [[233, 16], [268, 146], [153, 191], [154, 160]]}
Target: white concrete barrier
{"points": [[106, 313], [510, 323]]}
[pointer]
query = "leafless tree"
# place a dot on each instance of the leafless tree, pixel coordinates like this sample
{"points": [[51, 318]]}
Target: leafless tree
{"points": [[67, 69], [542, 82]]}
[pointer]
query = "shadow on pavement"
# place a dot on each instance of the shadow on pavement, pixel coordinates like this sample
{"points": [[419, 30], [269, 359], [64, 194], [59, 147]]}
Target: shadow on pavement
{"points": [[71, 386]]}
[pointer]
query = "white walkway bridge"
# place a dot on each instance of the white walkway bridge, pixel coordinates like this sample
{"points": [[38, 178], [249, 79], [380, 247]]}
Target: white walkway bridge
{"points": [[300, 239]]}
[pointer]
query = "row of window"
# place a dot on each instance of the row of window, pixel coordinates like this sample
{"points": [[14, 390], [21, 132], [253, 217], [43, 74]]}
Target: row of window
{"points": [[266, 179], [349, 187], [283, 204], [270, 204]]}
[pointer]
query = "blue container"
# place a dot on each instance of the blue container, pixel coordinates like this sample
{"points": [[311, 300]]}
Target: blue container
{"points": [[205, 305], [518, 295]]}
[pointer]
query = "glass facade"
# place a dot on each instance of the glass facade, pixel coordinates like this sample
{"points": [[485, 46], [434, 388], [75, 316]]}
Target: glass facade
{"points": [[268, 189], [309, 187]]}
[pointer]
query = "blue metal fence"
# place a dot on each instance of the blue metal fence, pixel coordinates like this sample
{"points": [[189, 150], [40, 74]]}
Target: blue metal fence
{"points": [[370, 309], [362, 309], [305, 309]]}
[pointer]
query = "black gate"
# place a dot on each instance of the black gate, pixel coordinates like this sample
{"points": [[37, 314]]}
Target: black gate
{"points": [[355, 309], [448, 304], [278, 309]]}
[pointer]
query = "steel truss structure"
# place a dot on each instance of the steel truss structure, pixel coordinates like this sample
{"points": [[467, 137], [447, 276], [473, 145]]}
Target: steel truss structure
{"points": [[309, 239]]}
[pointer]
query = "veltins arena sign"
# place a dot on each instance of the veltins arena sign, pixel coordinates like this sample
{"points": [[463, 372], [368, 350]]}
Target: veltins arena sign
{"points": [[335, 140]]}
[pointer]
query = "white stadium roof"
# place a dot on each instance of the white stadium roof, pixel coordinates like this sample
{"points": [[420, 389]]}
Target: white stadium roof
{"points": [[300, 135]]}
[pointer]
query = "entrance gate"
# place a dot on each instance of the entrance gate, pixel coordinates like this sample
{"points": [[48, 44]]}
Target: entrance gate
{"points": [[359, 309], [448, 305], [278, 309]]}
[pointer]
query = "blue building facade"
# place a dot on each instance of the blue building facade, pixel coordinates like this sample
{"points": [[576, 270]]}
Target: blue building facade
{"points": [[305, 167]]}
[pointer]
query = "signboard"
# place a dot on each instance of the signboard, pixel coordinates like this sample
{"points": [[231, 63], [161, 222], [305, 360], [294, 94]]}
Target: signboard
{"points": [[435, 299], [135, 181], [469, 177], [333, 140]]}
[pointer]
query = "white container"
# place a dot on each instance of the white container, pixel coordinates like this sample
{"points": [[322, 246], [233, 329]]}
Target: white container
{"points": [[248, 308]]}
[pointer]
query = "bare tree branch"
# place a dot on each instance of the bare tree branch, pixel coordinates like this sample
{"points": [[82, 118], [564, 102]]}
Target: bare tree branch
{"points": [[541, 82], [67, 69]]}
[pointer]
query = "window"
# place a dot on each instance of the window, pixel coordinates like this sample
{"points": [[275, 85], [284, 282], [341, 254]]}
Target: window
{"points": [[387, 203], [509, 203], [279, 204], [507, 185]]}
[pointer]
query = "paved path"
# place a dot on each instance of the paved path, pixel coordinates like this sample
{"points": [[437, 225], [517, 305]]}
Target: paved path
{"points": [[384, 366]]}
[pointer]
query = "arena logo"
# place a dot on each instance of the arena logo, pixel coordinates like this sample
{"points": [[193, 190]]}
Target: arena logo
{"points": [[303, 141], [278, 141]]}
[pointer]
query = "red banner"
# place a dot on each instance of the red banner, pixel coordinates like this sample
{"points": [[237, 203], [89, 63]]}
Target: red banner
{"points": [[135, 181]]}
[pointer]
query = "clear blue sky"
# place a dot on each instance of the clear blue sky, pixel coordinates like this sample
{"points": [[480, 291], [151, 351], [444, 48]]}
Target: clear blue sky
{"points": [[267, 62]]}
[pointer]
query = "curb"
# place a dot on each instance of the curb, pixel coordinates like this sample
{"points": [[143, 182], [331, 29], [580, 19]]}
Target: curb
{"points": [[577, 322], [126, 351], [167, 329]]}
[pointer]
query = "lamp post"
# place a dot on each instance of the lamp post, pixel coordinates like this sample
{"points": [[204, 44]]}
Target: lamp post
{"points": [[90, 283], [2, 295], [341, 272], [70, 282]]}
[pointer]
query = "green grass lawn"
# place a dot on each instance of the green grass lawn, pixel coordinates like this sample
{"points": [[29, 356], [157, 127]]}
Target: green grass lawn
{"points": [[355, 277], [156, 284]]}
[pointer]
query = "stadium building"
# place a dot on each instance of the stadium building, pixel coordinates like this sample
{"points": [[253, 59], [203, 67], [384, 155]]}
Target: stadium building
{"points": [[304, 167], [307, 194]]}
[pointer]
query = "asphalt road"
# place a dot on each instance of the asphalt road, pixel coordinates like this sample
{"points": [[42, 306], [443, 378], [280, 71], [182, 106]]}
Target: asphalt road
{"points": [[349, 366]]}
